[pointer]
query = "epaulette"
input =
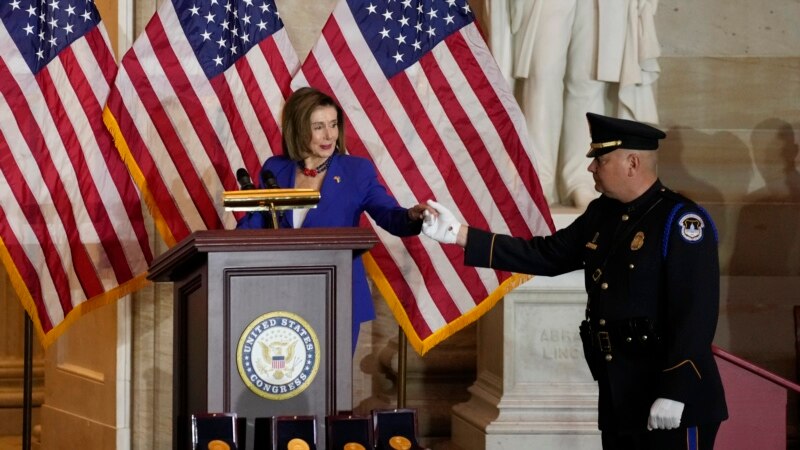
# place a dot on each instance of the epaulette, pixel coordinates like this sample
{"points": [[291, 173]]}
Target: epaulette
{"points": [[675, 197]]}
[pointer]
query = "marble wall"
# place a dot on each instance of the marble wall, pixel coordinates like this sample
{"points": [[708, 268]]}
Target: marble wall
{"points": [[729, 98]]}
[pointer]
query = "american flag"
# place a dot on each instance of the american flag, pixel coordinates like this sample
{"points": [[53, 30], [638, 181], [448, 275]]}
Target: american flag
{"points": [[71, 219], [427, 103], [197, 97]]}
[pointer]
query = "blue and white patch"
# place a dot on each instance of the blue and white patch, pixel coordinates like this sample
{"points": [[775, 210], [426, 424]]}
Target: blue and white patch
{"points": [[691, 227], [278, 355]]}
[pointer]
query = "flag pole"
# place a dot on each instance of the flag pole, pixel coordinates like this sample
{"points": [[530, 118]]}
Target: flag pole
{"points": [[27, 390], [402, 357]]}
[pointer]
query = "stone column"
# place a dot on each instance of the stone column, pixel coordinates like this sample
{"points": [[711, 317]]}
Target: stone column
{"points": [[533, 388]]}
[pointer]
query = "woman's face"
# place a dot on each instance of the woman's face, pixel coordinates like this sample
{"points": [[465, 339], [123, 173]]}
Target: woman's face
{"points": [[324, 132]]}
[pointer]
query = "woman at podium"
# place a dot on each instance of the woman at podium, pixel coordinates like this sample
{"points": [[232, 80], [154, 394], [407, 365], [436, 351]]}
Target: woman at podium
{"points": [[314, 157]]}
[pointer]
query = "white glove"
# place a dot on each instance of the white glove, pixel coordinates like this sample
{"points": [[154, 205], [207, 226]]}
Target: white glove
{"points": [[443, 228], [665, 414]]}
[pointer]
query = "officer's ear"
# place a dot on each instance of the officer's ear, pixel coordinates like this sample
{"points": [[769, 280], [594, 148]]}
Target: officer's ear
{"points": [[633, 161]]}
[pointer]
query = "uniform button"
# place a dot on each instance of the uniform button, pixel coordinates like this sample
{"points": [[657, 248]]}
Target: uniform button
{"points": [[609, 357], [604, 286], [625, 217], [631, 266], [602, 322]]}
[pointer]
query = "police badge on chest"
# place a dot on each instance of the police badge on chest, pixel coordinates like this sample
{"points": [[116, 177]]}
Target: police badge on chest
{"points": [[638, 241]]}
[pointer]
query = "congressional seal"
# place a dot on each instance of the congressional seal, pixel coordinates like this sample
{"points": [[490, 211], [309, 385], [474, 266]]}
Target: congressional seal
{"points": [[278, 355]]}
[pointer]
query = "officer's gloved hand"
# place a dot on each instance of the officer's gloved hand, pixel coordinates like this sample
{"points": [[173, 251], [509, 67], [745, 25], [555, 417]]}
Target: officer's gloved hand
{"points": [[665, 414], [442, 227]]}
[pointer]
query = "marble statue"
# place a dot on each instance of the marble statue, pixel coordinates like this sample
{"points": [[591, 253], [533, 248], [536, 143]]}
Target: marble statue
{"points": [[571, 57]]}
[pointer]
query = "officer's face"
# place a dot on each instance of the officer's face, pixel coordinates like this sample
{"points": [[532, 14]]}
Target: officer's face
{"points": [[611, 173]]}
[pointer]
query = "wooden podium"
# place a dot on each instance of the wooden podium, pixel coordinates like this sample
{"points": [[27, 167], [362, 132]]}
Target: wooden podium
{"points": [[262, 322]]}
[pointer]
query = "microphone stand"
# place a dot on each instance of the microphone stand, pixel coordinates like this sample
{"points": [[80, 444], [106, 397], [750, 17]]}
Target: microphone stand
{"points": [[274, 216], [268, 180], [402, 359]]}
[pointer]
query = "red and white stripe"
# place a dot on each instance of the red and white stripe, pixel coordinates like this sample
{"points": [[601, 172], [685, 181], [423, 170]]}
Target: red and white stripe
{"points": [[72, 227], [446, 128], [187, 135]]}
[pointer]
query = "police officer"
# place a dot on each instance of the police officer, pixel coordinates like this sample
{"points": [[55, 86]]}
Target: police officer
{"points": [[652, 276]]}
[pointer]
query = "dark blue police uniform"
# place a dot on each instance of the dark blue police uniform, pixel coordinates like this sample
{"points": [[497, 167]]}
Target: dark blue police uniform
{"points": [[652, 277]]}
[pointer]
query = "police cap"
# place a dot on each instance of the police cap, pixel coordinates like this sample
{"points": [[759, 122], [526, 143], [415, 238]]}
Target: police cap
{"points": [[610, 133]]}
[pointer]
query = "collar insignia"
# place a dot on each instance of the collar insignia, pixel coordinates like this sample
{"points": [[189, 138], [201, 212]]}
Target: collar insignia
{"points": [[593, 245]]}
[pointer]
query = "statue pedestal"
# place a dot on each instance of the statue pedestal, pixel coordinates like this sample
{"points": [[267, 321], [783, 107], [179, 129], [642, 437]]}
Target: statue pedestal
{"points": [[533, 388]]}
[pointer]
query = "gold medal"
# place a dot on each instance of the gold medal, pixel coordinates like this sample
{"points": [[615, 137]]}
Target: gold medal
{"points": [[399, 443], [353, 446], [297, 444], [638, 241], [218, 445]]}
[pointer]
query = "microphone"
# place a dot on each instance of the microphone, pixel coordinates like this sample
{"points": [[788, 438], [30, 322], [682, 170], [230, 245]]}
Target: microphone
{"points": [[268, 180], [243, 177]]}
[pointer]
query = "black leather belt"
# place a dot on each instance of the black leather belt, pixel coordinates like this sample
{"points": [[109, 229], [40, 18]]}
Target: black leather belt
{"points": [[629, 334]]}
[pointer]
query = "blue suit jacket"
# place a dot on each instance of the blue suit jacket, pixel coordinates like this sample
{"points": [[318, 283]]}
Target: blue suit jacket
{"points": [[350, 188]]}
